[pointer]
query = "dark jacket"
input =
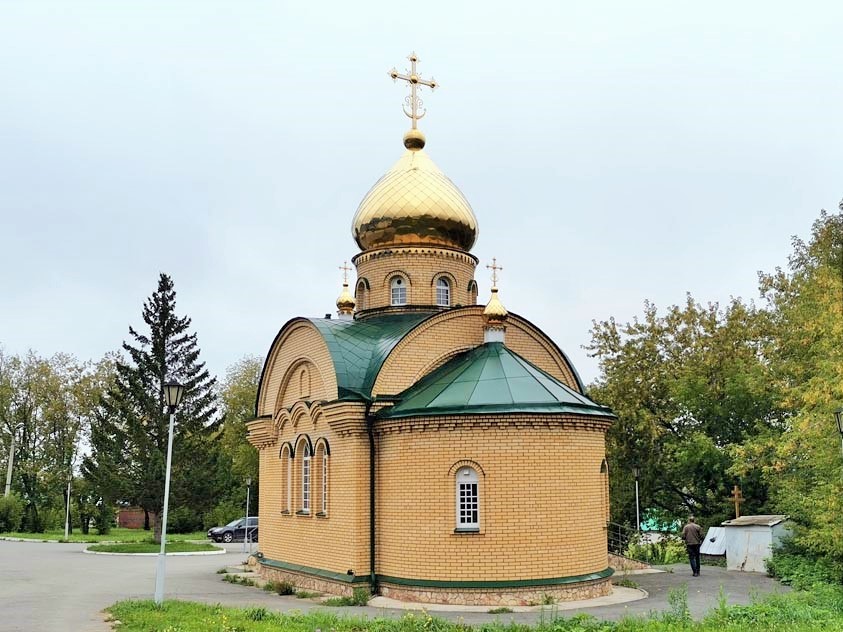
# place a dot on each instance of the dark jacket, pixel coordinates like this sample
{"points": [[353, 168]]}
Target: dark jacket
{"points": [[692, 534]]}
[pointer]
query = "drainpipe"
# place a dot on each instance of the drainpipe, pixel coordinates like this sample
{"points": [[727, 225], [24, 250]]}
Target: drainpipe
{"points": [[370, 421]]}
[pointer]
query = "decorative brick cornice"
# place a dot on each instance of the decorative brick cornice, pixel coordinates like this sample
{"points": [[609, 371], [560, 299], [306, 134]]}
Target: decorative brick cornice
{"points": [[442, 253], [488, 422]]}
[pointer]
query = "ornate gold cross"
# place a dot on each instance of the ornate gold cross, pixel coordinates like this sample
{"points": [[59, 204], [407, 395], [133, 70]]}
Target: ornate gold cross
{"points": [[494, 268], [345, 269], [737, 499], [414, 80]]}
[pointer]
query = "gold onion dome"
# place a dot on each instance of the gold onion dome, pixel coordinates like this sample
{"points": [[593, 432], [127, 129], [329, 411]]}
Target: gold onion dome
{"points": [[414, 204], [495, 312], [345, 301]]}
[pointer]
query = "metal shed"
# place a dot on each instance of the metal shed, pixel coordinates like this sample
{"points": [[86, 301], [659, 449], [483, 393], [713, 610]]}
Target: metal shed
{"points": [[750, 540]]}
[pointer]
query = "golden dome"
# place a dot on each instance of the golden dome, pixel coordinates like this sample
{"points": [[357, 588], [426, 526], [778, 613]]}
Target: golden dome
{"points": [[495, 312], [345, 302], [414, 204]]}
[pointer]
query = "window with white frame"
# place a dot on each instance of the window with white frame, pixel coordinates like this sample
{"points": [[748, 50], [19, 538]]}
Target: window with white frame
{"points": [[443, 292], [305, 482], [398, 291], [468, 500], [324, 507]]}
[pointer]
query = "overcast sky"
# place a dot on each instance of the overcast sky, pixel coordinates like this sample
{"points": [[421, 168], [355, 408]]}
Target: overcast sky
{"points": [[613, 152]]}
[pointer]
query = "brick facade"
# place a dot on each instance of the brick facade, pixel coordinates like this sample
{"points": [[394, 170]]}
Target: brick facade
{"points": [[542, 482]]}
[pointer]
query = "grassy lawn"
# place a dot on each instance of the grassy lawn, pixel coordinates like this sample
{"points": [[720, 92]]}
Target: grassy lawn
{"points": [[151, 547], [821, 608], [115, 535]]}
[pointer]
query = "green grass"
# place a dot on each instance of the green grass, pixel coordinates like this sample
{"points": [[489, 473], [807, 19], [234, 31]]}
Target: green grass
{"points": [[151, 547], [114, 535], [500, 610], [798, 611]]}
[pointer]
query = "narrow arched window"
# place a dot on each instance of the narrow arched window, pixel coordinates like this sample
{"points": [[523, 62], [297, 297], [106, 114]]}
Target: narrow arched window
{"points": [[305, 480], [360, 295], [468, 500], [304, 383], [286, 483], [443, 292], [398, 291], [322, 473]]}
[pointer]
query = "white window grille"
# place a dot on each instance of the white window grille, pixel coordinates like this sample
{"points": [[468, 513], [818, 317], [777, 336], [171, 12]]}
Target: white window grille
{"points": [[305, 484], [398, 291], [468, 500], [287, 500], [324, 482], [443, 292]]}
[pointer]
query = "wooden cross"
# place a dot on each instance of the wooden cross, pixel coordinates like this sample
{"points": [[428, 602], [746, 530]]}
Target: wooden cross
{"points": [[737, 499], [345, 269], [494, 268], [414, 80]]}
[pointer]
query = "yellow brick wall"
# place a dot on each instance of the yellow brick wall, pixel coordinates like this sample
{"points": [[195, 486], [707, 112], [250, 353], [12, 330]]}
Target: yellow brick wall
{"points": [[299, 342], [541, 498], [339, 541], [421, 266], [436, 340]]}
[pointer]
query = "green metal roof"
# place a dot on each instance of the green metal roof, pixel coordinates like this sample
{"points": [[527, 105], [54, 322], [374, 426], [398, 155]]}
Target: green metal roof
{"points": [[490, 379], [359, 347]]}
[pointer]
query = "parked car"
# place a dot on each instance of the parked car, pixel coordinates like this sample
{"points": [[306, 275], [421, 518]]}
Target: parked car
{"points": [[235, 531]]}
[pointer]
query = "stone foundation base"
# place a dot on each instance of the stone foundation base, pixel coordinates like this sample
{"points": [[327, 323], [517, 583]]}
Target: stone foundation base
{"points": [[308, 582], [621, 563], [526, 596]]}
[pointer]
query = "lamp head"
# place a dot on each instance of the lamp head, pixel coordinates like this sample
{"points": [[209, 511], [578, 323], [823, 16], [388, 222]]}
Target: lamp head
{"points": [[173, 392], [248, 481], [838, 417]]}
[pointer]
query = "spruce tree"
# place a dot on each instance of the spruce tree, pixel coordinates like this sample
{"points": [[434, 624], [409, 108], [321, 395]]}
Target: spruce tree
{"points": [[129, 446]]}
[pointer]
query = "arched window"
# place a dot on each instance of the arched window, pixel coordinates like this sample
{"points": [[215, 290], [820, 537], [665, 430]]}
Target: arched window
{"points": [[360, 295], [472, 292], [604, 489], [322, 475], [443, 292], [398, 291], [286, 483], [305, 480], [468, 500]]}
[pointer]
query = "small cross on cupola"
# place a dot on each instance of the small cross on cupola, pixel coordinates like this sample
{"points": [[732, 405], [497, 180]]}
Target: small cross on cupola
{"points": [[414, 139]]}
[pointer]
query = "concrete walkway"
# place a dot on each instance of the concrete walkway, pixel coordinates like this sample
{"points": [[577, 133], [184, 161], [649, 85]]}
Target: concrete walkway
{"points": [[51, 586]]}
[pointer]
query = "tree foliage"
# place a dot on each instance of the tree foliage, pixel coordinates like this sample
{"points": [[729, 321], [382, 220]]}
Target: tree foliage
{"points": [[129, 440], [686, 385], [803, 463]]}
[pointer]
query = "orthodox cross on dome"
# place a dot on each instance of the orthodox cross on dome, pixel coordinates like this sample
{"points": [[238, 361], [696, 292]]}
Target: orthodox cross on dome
{"points": [[345, 270], [494, 268], [737, 498], [415, 81]]}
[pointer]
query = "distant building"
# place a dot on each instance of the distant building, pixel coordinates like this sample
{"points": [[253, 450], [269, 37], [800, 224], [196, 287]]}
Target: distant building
{"points": [[421, 445]]}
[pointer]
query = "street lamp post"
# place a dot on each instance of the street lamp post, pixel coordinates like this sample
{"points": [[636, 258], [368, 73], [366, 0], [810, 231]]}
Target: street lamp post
{"points": [[246, 543], [636, 472], [173, 392], [838, 416]]}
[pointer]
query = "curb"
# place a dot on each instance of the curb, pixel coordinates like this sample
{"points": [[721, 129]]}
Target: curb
{"points": [[217, 552]]}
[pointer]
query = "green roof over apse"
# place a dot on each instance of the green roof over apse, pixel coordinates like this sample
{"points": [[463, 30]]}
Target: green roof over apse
{"points": [[490, 379], [359, 347]]}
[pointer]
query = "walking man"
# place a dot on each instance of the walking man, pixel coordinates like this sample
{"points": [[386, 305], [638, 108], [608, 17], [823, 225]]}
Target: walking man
{"points": [[692, 536]]}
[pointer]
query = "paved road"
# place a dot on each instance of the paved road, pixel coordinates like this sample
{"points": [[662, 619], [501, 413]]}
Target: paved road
{"points": [[48, 587]]}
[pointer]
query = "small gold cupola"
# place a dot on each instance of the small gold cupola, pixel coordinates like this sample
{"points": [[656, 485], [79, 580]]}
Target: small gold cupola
{"points": [[495, 313], [345, 301]]}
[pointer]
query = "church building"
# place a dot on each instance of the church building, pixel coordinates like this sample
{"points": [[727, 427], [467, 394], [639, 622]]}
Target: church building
{"points": [[418, 444]]}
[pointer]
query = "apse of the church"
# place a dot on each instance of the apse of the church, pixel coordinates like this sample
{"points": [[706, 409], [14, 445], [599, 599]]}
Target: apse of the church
{"points": [[421, 445]]}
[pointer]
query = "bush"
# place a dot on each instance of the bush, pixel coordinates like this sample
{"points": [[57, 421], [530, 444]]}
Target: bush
{"points": [[669, 549], [11, 513], [361, 596], [803, 571], [222, 514], [104, 519], [183, 520]]}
